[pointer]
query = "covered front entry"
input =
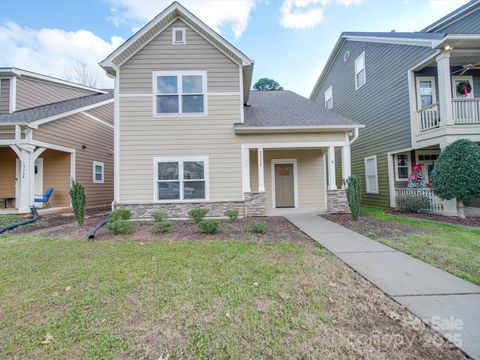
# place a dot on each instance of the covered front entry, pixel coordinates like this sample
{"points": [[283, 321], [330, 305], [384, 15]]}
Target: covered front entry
{"points": [[49, 168], [295, 179]]}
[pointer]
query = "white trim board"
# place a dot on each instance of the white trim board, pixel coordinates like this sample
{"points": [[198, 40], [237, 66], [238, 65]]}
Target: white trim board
{"points": [[94, 173], [295, 179], [288, 145]]}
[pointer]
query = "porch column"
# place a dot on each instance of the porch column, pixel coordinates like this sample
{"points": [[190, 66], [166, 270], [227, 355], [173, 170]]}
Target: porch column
{"points": [[26, 180], [346, 164], [331, 169], [246, 170], [444, 88], [261, 175]]}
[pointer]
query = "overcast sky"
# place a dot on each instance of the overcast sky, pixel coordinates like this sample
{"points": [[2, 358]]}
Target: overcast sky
{"points": [[289, 40]]}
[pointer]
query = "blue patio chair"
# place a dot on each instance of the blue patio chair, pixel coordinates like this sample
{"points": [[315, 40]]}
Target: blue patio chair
{"points": [[45, 198]]}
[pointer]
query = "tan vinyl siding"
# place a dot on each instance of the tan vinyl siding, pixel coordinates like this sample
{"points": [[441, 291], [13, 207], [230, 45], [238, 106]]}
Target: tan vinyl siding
{"points": [[7, 135], [142, 137], [7, 172], [104, 113], [31, 93], [56, 174], [159, 54], [310, 172], [75, 131], [4, 96]]}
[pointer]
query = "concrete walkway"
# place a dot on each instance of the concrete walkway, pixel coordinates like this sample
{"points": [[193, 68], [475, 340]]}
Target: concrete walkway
{"points": [[434, 295]]}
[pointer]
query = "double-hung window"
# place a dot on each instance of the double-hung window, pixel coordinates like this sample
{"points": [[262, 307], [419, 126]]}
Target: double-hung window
{"points": [[181, 178], [425, 91], [180, 93], [371, 174], [329, 98], [98, 172], [360, 75], [402, 167]]}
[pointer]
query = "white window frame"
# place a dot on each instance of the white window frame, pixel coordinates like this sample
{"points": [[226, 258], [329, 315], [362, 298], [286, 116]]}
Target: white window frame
{"points": [[419, 95], [184, 36], [328, 96], [95, 164], [361, 57], [454, 86], [179, 75], [395, 159], [374, 158], [180, 160]]}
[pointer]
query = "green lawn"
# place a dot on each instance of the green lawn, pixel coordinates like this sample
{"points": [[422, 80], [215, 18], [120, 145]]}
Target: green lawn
{"points": [[453, 248], [78, 299]]}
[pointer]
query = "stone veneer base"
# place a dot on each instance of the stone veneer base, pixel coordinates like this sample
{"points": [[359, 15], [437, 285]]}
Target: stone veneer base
{"points": [[337, 202], [253, 205]]}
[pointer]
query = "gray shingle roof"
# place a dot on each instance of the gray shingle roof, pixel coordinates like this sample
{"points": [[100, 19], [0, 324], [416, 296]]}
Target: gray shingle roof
{"points": [[451, 15], [397, 35], [286, 108], [58, 108]]}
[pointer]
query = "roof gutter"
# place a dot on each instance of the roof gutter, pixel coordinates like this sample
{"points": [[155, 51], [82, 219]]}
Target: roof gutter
{"points": [[292, 129]]}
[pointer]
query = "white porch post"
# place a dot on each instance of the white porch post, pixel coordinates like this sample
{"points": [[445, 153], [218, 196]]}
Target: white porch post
{"points": [[346, 164], [246, 169], [261, 173], [26, 180], [331, 169], [444, 88]]}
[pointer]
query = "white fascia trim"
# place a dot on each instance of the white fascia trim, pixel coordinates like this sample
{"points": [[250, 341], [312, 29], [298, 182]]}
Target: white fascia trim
{"points": [[287, 145], [116, 137], [97, 119], [12, 104], [397, 41], [252, 129], [465, 12], [184, 12], [36, 123], [52, 146], [453, 37], [20, 72], [242, 110]]}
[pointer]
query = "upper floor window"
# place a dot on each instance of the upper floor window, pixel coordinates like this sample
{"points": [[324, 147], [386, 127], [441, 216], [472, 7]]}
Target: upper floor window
{"points": [[180, 92], [371, 174], [360, 75], [328, 98], [425, 91], [179, 36]]}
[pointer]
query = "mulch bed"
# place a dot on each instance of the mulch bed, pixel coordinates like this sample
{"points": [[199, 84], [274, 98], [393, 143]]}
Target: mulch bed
{"points": [[55, 220], [469, 221], [373, 228], [278, 230]]}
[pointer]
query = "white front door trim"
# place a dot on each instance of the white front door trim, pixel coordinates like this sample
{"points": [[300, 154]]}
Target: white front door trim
{"points": [[295, 179]]}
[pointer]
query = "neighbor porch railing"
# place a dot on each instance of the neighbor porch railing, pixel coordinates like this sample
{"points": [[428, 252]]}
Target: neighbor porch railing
{"points": [[429, 117], [436, 204], [466, 111]]}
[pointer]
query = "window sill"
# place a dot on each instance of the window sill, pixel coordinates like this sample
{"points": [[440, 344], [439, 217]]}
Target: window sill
{"points": [[180, 201], [174, 115]]}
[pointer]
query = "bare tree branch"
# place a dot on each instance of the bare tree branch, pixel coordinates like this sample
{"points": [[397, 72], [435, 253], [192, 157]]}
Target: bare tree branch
{"points": [[83, 74]]}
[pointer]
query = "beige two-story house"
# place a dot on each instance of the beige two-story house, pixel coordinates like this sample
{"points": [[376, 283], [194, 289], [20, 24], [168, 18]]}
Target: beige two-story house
{"points": [[52, 132], [189, 132]]}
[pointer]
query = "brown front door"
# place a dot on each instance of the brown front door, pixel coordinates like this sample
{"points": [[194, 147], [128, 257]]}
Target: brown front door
{"points": [[284, 193]]}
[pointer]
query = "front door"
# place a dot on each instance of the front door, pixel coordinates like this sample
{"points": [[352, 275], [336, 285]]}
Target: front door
{"points": [[284, 190]]}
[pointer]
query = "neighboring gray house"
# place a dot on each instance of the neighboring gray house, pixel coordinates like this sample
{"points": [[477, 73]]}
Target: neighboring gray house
{"points": [[190, 133], [415, 92]]}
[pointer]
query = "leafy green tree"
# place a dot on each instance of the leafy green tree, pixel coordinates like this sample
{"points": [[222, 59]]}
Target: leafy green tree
{"points": [[266, 84], [456, 174], [354, 196], [79, 201]]}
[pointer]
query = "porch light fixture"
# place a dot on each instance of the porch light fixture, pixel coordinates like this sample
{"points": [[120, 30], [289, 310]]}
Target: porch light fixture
{"points": [[448, 47]]}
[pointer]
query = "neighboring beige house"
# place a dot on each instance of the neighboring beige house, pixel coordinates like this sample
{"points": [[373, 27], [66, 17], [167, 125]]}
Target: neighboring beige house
{"points": [[52, 132], [190, 133]]}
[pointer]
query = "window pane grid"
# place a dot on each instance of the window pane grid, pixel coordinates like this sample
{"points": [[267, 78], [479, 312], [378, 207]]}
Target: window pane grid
{"points": [[180, 94], [182, 187]]}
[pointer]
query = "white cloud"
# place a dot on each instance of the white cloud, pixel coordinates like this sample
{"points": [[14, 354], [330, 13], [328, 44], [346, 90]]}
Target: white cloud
{"points": [[304, 14], [53, 51], [215, 13]]}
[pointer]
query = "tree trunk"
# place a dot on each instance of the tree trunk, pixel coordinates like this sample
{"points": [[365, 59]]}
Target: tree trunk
{"points": [[460, 207]]}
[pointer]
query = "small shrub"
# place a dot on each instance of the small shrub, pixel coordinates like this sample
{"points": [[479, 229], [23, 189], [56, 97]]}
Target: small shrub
{"points": [[120, 214], [78, 198], [209, 226], [232, 214], [258, 227], [354, 196], [162, 226], [197, 214], [159, 216], [412, 203], [121, 227]]}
